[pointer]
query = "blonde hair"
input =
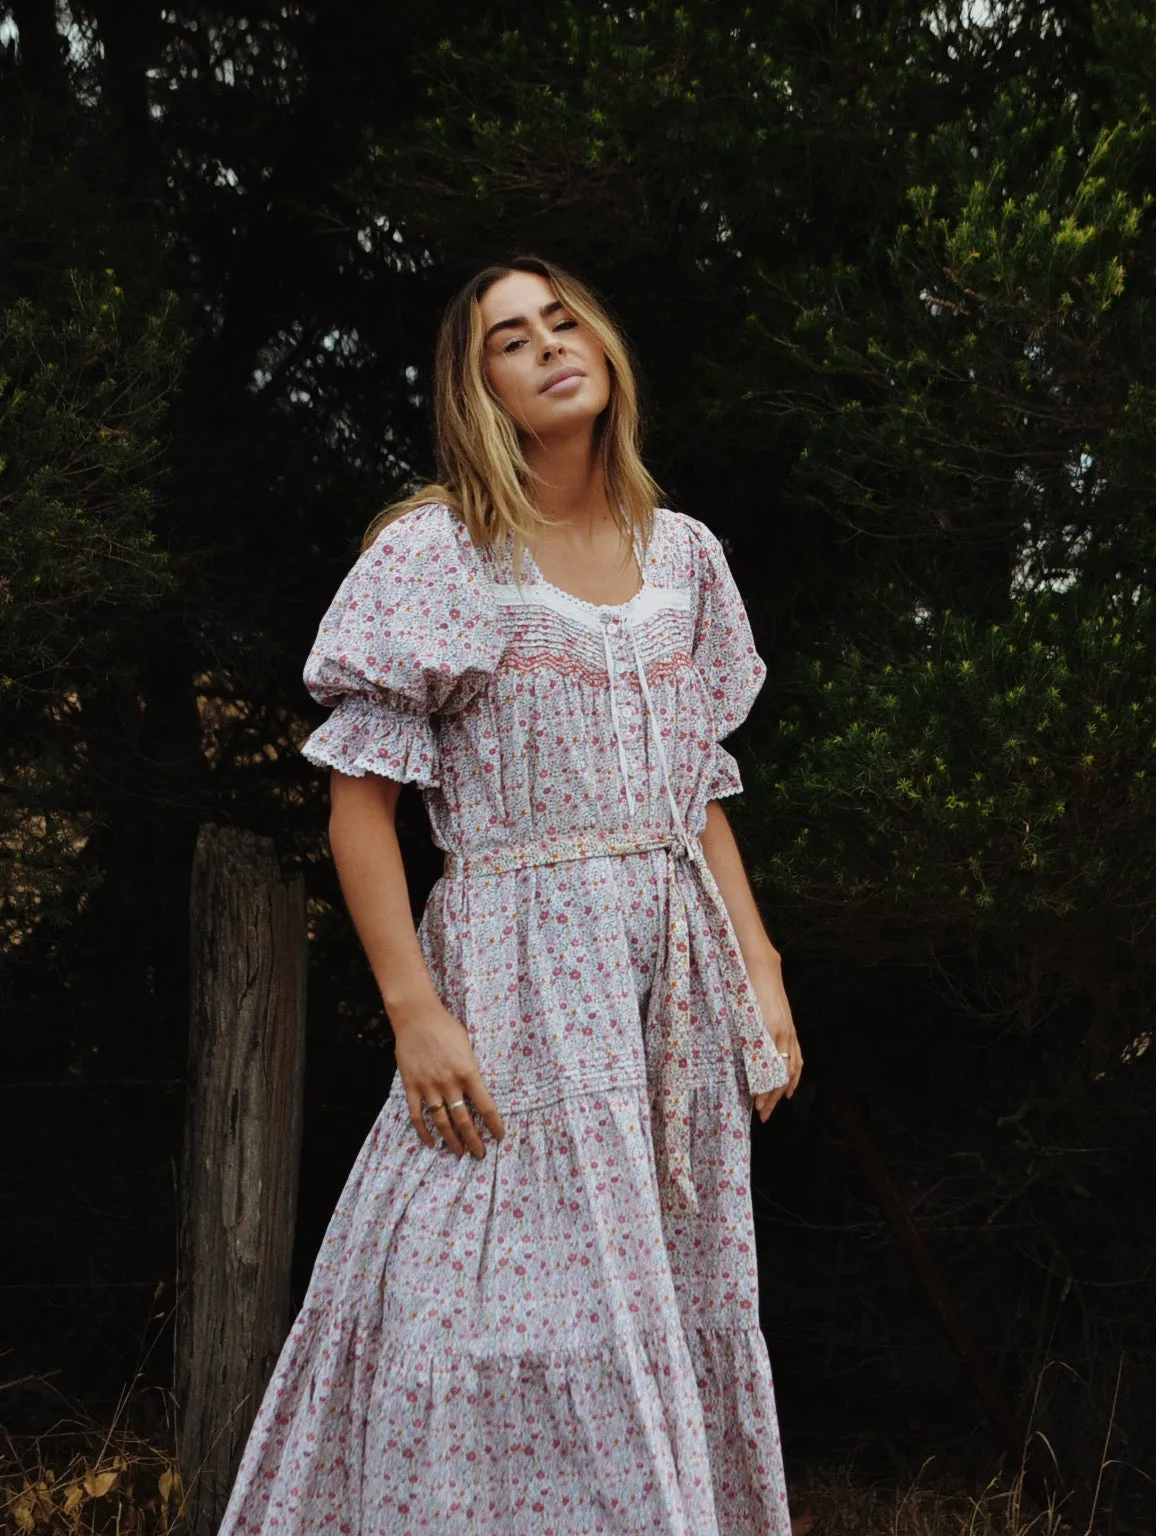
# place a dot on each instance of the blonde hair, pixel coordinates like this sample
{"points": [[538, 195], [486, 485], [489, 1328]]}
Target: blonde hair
{"points": [[482, 472]]}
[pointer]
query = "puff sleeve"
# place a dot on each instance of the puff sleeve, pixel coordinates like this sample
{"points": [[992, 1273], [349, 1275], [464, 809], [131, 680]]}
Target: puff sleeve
{"points": [[411, 633], [724, 655]]}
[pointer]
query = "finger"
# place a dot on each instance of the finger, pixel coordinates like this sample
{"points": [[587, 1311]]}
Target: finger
{"points": [[467, 1130], [417, 1116], [792, 1059], [774, 1103], [790, 1064], [794, 1064], [796, 1074], [772, 1099], [444, 1122], [479, 1096]]}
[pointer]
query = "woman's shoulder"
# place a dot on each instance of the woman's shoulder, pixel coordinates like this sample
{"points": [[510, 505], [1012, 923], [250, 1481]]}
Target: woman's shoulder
{"points": [[428, 543], [687, 544], [411, 608], [426, 529]]}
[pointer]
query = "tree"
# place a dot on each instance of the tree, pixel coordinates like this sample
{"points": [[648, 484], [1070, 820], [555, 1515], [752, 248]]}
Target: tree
{"points": [[83, 384]]}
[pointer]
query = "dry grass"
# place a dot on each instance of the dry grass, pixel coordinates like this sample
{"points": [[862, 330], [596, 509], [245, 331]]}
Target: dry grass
{"points": [[78, 1481], [841, 1506], [71, 1483], [74, 1480]]}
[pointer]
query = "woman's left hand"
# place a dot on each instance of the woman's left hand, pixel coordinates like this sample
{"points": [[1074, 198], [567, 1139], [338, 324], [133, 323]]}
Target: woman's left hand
{"points": [[776, 1010], [763, 961]]}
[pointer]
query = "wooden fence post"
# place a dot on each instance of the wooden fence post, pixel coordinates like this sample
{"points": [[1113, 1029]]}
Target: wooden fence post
{"points": [[241, 1153]]}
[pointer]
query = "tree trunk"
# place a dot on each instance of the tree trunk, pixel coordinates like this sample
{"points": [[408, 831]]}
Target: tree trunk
{"points": [[241, 1154]]}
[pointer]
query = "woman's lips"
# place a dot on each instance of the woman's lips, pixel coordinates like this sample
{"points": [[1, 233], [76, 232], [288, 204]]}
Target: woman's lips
{"points": [[563, 376]]}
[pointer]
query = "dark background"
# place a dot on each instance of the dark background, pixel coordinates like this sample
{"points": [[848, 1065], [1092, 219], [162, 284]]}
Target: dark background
{"points": [[888, 270]]}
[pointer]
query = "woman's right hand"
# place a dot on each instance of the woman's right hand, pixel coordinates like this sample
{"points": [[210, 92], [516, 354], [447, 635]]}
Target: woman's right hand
{"points": [[437, 1065], [434, 1054]]}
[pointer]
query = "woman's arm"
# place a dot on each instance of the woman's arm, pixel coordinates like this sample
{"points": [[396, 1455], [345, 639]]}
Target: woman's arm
{"points": [[434, 1054], [762, 959]]}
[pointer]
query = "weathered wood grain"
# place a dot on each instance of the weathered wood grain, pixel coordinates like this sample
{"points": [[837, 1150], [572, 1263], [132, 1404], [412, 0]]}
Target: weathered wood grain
{"points": [[241, 1152]]}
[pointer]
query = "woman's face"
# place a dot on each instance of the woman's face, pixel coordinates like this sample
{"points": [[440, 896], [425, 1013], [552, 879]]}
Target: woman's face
{"points": [[545, 367]]}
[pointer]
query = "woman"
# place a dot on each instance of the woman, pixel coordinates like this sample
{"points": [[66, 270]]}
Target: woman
{"points": [[536, 1309]]}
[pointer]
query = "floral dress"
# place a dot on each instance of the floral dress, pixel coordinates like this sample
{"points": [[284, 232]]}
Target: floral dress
{"points": [[561, 1339]]}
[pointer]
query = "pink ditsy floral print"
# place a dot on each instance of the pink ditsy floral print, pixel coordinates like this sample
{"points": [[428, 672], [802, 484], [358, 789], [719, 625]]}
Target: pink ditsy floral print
{"points": [[561, 1339]]}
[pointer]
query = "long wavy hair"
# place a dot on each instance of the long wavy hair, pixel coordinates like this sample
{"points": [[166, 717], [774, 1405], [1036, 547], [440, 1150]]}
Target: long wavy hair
{"points": [[482, 471]]}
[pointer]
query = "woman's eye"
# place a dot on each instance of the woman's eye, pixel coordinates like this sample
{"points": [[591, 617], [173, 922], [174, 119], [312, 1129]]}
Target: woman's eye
{"points": [[512, 346], [566, 325]]}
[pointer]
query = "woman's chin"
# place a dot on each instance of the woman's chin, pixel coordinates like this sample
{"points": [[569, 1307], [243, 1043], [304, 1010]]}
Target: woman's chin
{"points": [[565, 416]]}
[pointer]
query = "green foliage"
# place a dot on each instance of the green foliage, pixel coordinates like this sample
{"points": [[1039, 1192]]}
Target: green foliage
{"points": [[970, 378], [672, 122], [990, 786], [83, 388], [968, 772]]}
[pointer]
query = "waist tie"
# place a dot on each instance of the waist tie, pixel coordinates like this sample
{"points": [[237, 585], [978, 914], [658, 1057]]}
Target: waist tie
{"points": [[670, 1003]]}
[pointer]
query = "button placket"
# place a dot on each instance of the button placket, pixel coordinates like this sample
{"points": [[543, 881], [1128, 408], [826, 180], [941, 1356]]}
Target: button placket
{"points": [[610, 625]]}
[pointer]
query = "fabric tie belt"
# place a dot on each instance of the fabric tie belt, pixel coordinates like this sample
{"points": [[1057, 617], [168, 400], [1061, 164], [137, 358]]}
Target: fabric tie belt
{"points": [[670, 1004]]}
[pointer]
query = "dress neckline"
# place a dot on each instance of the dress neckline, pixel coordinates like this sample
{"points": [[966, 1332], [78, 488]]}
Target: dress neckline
{"points": [[641, 558]]}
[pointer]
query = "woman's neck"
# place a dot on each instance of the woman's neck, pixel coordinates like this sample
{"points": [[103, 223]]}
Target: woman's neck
{"points": [[570, 487], [586, 551]]}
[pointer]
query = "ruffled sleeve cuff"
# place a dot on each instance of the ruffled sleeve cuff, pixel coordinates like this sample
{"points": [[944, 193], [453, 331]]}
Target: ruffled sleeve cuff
{"points": [[726, 778], [376, 735]]}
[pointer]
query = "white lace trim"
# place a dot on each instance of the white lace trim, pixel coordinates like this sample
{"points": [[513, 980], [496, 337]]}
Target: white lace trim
{"points": [[645, 603]]}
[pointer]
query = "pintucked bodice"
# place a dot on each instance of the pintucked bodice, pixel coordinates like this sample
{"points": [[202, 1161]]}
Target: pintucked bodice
{"points": [[523, 711]]}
